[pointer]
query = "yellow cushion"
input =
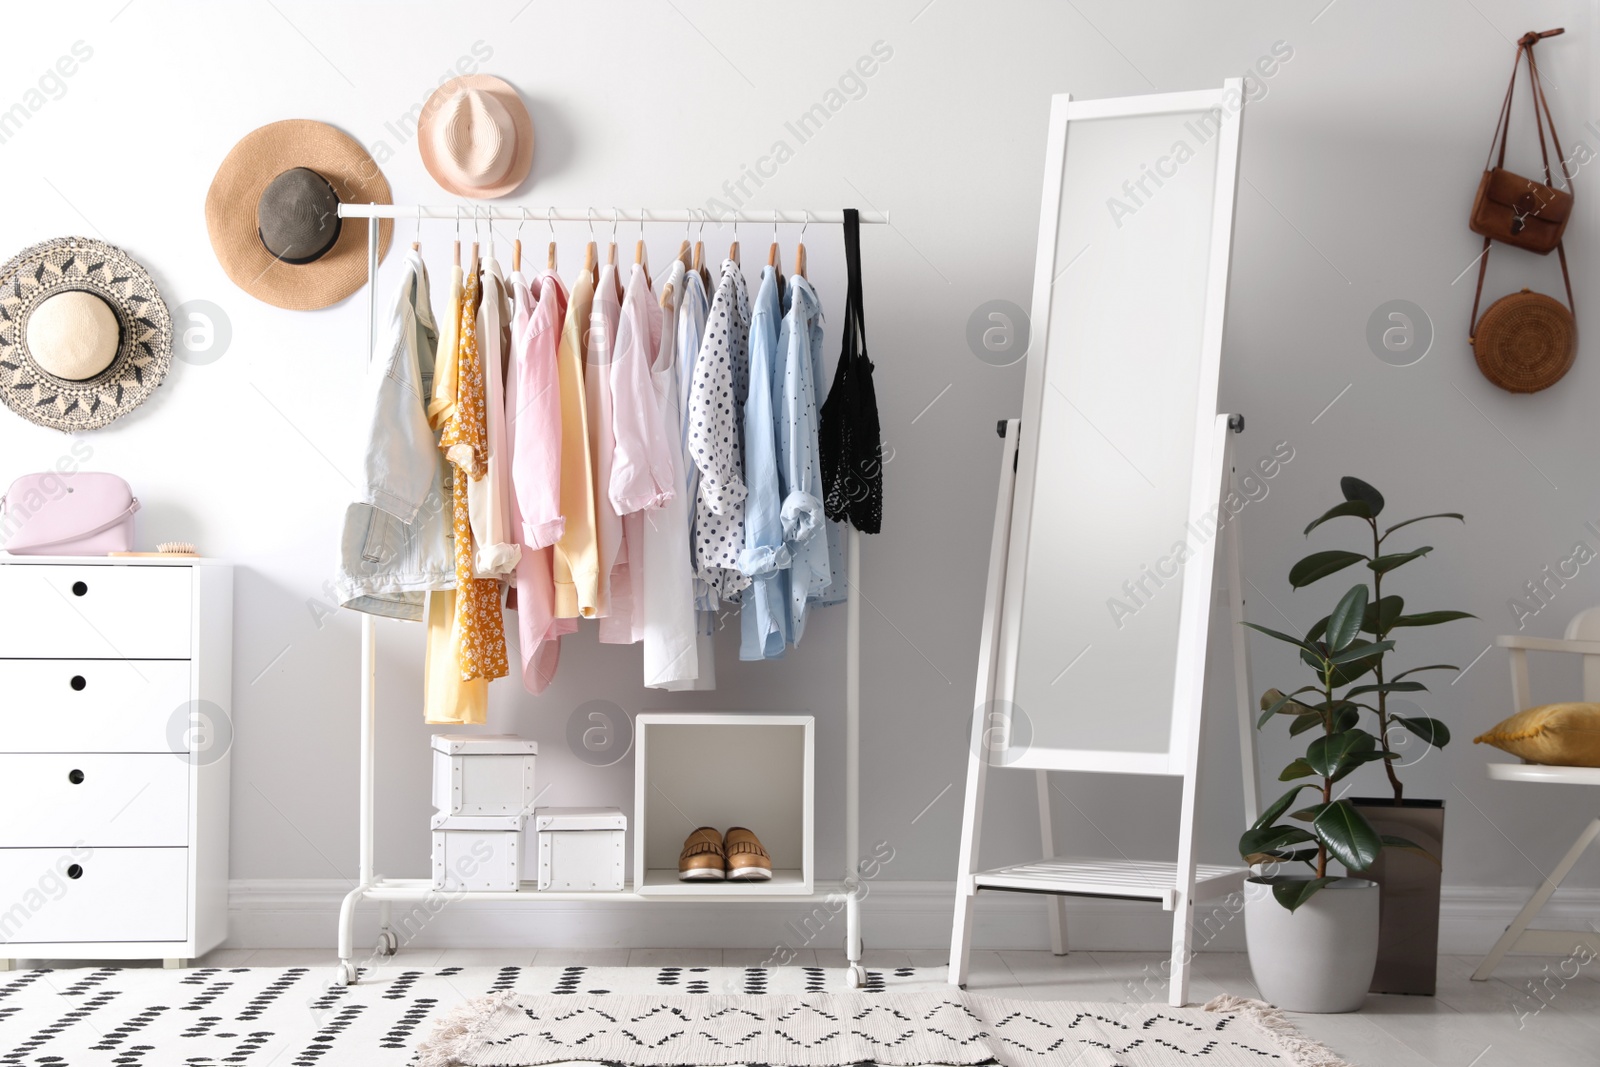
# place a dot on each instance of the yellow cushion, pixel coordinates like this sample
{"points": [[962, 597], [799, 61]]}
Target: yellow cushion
{"points": [[1562, 735]]}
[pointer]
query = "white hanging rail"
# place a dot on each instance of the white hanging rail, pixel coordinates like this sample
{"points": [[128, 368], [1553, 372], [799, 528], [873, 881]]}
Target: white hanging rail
{"points": [[387, 891], [467, 210]]}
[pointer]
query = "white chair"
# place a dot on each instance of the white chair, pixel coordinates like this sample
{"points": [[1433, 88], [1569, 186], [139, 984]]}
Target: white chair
{"points": [[1583, 637]]}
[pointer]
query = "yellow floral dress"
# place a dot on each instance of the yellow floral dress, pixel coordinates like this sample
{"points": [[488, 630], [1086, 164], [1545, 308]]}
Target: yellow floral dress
{"points": [[479, 627]]}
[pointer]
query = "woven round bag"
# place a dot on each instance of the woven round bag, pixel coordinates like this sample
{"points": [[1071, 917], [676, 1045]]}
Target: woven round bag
{"points": [[1525, 342]]}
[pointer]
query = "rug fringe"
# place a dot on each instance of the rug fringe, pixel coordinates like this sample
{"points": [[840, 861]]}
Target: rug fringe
{"points": [[455, 1032], [1303, 1051]]}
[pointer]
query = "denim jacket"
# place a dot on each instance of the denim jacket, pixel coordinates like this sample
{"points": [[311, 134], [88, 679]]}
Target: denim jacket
{"points": [[397, 536]]}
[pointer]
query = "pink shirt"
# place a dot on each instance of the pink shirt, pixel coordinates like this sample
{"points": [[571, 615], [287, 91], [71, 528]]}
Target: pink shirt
{"points": [[642, 475], [533, 398]]}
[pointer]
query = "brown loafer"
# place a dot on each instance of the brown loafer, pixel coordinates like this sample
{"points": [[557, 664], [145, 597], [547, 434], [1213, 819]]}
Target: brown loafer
{"points": [[747, 859], [703, 858]]}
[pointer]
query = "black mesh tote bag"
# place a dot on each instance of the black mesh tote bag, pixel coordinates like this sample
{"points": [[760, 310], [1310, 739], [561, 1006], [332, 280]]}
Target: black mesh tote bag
{"points": [[848, 437]]}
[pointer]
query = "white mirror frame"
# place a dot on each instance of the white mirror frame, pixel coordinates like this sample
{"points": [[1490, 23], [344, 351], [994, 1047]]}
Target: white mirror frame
{"points": [[1206, 476]]}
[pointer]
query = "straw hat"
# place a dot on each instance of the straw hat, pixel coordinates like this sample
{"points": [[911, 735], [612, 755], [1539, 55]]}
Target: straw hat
{"points": [[84, 334], [272, 214], [476, 137]]}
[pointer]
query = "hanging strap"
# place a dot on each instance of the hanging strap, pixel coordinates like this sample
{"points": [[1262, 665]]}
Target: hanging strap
{"points": [[133, 506], [855, 323], [1542, 117]]}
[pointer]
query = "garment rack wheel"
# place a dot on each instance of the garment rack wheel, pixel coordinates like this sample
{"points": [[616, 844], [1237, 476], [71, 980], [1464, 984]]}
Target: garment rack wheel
{"points": [[858, 976], [388, 943], [346, 975]]}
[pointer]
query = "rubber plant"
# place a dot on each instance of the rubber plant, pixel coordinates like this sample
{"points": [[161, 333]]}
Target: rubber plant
{"points": [[1343, 648]]}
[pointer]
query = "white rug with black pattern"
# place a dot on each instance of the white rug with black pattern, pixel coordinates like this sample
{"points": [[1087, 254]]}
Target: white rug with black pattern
{"points": [[296, 1017]]}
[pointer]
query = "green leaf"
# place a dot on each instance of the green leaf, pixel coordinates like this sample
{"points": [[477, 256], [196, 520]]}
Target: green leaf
{"points": [[1361, 651], [1279, 806], [1267, 840], [1391, 841], [1318, 628], [1282, 637], [1420, 518], [1335, 755], [1304, 723], [1274, 702], [1359, 508], [1298, 769], [1293, 892], [1385, 564], [1356, 489], [1320, 565], [1429, 667], [1432, 731], [1347, 835], [1380, 616], [1346, 673], [1345, 719], [1344, 621], [1432, 618], [1388, 687]]}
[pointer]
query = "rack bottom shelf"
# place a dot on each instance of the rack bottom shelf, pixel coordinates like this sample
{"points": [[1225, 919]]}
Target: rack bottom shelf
{"points": [[785, 886]]}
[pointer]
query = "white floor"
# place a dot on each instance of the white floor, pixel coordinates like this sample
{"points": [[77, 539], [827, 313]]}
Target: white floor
{"points": [[1499, 1023]]}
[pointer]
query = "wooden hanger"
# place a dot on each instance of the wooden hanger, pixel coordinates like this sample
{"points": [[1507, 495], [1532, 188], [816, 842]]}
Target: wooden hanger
{"points": [[416, 245], [455, 250], [589, 252], [800, 249], [733, 249]]}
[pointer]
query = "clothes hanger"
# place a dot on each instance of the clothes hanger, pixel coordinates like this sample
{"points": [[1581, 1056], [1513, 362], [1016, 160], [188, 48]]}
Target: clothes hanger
{"points": [[733, 249], [455, 255], [516, 245], [589, 250], [772, 254], [472, 265], [416, 244], [800, 247], [549, 220], [611, 251], [638, 252], [683, 249], [700, 251]]}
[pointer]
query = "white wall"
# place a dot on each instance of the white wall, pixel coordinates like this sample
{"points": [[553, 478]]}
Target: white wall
{"points": [[1358, 167]]}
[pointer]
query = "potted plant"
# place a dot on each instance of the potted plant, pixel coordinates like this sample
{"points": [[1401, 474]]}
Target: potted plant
{"points": [[1333, 920], [1409, 881]]}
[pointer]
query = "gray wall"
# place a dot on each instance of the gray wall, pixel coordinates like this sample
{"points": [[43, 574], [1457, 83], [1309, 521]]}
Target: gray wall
{"points": [[1358, 167]]}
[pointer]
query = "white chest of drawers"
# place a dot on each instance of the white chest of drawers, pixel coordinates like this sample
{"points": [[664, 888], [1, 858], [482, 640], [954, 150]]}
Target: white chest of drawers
{"points": [[115, 694]]}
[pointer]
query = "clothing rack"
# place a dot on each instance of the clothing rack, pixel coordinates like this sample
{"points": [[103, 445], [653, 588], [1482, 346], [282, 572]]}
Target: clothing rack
{"points": [[388, 891]]}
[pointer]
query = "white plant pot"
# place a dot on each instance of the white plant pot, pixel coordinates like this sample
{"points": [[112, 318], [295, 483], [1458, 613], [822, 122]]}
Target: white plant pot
{"points": [[1319, 957]]}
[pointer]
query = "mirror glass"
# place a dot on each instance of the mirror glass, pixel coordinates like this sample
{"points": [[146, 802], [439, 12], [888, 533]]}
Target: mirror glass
{"points": [[1109, 528]]}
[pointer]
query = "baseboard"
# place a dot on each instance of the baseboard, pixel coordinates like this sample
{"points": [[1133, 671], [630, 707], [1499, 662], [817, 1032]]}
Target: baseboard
{"points": [[298, 913]]}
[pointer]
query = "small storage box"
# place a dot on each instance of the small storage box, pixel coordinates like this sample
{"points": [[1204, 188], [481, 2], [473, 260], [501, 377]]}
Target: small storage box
{"points": [[477, 774], [581, 849], [477, 852]]}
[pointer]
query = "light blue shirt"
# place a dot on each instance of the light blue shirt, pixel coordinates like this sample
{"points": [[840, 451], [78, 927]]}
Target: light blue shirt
{"points": [[764, 616]]}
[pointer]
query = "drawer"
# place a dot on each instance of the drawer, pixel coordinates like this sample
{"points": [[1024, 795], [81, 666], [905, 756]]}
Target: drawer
{"points": [[60, 799], [94, 612], [89, 894], [93, 705]]}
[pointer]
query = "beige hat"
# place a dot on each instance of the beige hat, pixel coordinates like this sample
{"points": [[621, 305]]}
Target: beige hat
{"points": [[476, 137], [272, 212], [84, 334]]}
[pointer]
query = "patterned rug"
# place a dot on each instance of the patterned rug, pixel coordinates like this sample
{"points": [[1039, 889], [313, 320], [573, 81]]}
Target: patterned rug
{"points": [[294, 1017], [845, 1029]]}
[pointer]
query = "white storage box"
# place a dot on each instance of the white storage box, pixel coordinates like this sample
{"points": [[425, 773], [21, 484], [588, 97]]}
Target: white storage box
{"points": [[477, 852], [581, 849], [483, 774]]}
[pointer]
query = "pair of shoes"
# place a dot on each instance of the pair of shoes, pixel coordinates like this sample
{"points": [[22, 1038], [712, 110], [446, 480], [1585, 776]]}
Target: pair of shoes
{"points": [[736, 856]]}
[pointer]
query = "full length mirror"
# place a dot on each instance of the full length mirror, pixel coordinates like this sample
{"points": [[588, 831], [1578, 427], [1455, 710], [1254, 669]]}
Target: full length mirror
{"points": [[1121, 400]]}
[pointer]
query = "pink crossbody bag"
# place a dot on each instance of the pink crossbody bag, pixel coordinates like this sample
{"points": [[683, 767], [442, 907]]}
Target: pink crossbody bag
{"points": [[89, 513]]}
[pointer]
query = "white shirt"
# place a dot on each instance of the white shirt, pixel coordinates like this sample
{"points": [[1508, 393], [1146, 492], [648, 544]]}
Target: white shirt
{"points": [[489, 497]]}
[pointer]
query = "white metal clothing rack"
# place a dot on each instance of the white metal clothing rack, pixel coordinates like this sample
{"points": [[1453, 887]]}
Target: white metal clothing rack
{"points": [[388, 891]]}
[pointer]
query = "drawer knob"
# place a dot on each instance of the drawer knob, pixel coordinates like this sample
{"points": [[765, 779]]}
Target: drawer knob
{"points": [[75, 872], [79, 588], [78, 682], [75, 776]]}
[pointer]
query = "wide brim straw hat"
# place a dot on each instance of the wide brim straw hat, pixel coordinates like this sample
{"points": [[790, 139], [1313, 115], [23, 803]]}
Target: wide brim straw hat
{"points": [[476, 137], [85, 336], [239, 220]]}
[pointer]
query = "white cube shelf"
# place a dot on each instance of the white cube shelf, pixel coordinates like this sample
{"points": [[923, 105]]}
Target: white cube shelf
{"points": [[723, 769]]}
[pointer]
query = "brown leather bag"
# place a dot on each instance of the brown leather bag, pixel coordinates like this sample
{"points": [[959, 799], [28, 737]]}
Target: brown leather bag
{"points": [[1508, 207]]}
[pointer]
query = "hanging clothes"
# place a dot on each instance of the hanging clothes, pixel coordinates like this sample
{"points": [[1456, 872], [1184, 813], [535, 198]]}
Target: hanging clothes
{"points": [[764, 559], [577, 559], [488, 497], [396, 543], [671, 656], [447, 697], [616, 599], [690, 329], [849, 437], [721, 376], [642, 477], [533, 424], [479, 628], [816, 570]]}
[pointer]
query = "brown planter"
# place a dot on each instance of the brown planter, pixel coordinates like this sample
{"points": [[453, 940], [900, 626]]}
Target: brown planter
{"points": [[1408, 934]]}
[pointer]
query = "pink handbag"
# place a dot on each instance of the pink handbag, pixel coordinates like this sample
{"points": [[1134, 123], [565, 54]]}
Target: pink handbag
{"points": [[89, 513]]}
